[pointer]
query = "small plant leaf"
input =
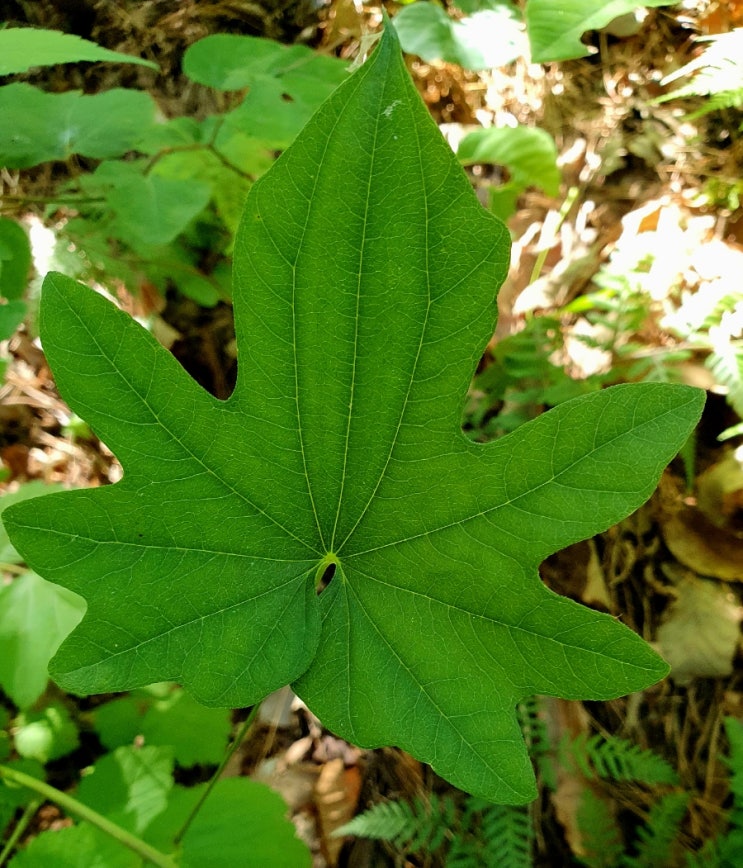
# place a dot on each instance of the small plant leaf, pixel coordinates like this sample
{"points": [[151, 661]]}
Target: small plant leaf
{"points": [[286, 83], [39, 126], [149, 209], [22, 48], [81, 846], [554, 34], [35, 616], [243, 822], [47, 734], [489, 37], [130, 786], [529, 154], [15, 260], [330, 520]]}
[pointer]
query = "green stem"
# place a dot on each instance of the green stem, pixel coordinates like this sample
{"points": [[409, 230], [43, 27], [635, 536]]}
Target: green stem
{"points": [[237, 741], [20, 828], [72, 806], [563, 213]]}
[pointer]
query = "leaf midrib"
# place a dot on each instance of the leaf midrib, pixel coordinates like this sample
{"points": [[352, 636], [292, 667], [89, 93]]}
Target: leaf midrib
{"points": [[513, 500]]}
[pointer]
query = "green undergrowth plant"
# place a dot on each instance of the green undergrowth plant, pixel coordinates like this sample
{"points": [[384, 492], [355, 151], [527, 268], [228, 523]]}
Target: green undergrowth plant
{"points": [[329, 525], [717, 74], [161, 199], [532, 368], [459, 830], [15, 261], [480, 34], [130, 808]]}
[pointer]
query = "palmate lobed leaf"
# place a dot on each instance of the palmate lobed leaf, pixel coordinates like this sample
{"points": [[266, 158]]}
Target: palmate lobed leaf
{"points": [[364, 281]]}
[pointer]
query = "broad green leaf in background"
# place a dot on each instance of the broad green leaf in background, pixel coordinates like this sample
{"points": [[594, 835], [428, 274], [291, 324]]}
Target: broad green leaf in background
{"points": [[364, 281], [35, 616], [11, 316], [285, 83], [81, 846], [490, 37], [243, 823], [15, 262], [529, 154], [39, 126], [130, 786], [555, 29], [15, 259], [195, 734], [149, 209], [22, 48]]}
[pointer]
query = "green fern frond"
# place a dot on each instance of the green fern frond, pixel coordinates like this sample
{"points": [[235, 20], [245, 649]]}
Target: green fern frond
{"points": [[656, 839], [601, 838], [496, 836], [507, 834], [717, 73], [409, 826], [726, 364], [615, 759], [538, 743]]}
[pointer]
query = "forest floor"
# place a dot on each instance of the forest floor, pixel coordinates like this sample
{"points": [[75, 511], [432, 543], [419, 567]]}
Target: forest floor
{"points": [[647, 207]]}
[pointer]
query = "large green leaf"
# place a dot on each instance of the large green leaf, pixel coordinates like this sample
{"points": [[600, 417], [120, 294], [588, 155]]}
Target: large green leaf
{"points": [[40, 126], [22, 48], [364, 281], [555, 29]]}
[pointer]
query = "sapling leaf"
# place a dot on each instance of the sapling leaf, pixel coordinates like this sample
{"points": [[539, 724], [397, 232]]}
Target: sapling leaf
{"points": [[330, 524]]}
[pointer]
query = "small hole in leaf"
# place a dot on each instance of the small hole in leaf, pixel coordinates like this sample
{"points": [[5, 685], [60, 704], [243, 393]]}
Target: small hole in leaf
{"points": [[326, 578]]}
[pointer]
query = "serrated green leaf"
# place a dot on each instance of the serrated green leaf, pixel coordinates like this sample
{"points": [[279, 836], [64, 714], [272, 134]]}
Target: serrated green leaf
{"points": [[130, 786], [488, 38], [39, 126], [22, 48], [364, 280], [554, 33], [243, 823]]}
